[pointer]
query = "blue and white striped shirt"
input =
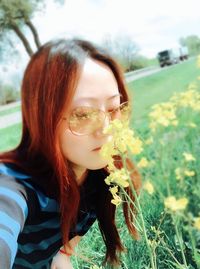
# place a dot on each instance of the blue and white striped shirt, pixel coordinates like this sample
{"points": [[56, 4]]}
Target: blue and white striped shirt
{"points": [[30, 232]]}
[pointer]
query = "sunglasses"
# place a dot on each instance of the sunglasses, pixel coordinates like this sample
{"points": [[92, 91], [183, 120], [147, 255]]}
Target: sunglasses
{"points": [[86, 120]]}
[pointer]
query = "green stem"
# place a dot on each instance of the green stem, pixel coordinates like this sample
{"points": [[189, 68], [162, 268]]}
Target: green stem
{"points": [[138, 227], [170, 252], [193, 242], [151, 255], [180, 240]]}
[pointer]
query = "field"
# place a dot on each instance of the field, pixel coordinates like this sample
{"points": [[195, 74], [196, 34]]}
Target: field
{"points": [[169, 201]]}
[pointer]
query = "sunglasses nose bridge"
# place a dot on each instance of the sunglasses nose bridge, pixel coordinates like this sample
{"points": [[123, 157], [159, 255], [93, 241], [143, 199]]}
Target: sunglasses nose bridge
{"points": [[107, 118], [104, 119]]}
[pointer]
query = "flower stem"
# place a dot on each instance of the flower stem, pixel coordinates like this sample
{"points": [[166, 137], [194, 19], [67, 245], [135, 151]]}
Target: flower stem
{"points": [[180, 240], [151, 254]]}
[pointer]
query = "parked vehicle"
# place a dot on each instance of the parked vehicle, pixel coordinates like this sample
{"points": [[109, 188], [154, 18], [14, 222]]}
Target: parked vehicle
{"points": [[172, 56]]}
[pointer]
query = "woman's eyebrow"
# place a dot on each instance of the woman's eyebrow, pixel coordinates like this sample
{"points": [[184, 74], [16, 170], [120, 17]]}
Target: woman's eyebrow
{"points": [[95, 98]]}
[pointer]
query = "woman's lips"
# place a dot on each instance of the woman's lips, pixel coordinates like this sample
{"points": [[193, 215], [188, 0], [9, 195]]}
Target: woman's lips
{"points": [[96, 149]]}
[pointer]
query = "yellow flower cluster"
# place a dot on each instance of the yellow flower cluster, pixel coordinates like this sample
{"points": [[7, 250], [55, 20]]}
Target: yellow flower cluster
{"points": [[182, 172], [163, 114], [197, 223], [123, 141], [148, 186], [192, 125], [119, 177], [189, 98], [188, 157], [174, 204], [116, 198], [143, 163]]}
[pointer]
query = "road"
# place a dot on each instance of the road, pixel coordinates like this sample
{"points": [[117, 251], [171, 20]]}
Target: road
{"points": [[134, 75], [14, 118]]}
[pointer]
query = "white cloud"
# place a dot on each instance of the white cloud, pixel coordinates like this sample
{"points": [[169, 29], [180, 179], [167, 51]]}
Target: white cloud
{"points": [[154, 24]]}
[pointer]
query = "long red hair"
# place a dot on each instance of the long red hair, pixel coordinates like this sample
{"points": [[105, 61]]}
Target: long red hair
{"points": [[49, 85]]}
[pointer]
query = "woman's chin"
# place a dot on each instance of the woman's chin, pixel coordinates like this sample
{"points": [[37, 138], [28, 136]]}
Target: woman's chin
{"points": [[97, 166]]}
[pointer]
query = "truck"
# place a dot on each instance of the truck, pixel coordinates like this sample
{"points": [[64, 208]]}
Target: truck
{"points": [[184, 53], [172, 56]]}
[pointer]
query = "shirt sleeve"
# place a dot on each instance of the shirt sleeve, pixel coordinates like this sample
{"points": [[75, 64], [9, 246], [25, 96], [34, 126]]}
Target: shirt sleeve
{"points": [[13, 213]]}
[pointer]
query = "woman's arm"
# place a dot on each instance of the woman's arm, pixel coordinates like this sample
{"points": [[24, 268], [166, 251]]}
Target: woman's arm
{"points": [[62, 261], [13, 213]]}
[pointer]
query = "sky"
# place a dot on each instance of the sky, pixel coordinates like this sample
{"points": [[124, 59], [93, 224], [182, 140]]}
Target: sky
{"points": [[154, 25]]}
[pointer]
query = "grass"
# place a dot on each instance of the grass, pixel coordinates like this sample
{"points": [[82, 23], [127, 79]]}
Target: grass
{"points": [[159, 87], [10, 137]]}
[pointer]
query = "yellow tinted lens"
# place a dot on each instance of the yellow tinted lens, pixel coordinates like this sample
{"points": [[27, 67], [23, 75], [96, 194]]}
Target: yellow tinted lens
{"points": [[122, 112], [85, 120]]}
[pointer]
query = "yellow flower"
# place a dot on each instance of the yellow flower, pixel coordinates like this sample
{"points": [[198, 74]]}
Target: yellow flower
{"points": [[116, 200], [192, 125], [197, 223], [189, 173], [179, 173], [174, 205], [123, 138], [135, 146], [149, 187], [188, 157], [189, 98], [163, 114], [113, 190], [143, 163], [118, 177]]}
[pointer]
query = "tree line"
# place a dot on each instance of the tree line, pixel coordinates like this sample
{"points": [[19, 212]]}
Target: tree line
{"points": [[16, 20]]}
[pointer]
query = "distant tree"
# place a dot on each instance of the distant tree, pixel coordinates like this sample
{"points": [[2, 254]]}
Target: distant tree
{"points": [[192, 42], [123, 48], [14, 16]]}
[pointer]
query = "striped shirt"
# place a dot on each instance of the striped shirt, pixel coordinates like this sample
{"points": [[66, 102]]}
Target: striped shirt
{"points": [[30, 232]]}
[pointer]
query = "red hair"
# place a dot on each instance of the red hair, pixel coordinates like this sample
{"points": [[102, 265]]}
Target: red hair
{"points": [[48, 86]]}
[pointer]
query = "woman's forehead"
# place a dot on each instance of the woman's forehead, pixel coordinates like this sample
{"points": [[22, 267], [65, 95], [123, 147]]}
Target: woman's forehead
{"points": [[96, 81]]}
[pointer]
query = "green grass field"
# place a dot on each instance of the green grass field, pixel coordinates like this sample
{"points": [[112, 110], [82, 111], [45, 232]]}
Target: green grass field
{"points": [[160, 86], [9, 137]]}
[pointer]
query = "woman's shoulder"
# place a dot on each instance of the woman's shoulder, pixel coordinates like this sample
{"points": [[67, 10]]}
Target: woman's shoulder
{"points": [[12, 179]]}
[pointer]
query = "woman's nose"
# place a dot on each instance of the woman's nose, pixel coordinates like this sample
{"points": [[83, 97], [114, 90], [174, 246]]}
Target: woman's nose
{"points": [[105, 123]]}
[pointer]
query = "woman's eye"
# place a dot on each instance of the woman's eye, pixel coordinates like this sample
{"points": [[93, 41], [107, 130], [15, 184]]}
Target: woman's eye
{"points": [[115, 109], [81, 116]]}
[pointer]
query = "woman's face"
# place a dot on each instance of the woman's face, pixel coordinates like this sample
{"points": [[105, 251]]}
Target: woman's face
{"points": [[97, 87]]}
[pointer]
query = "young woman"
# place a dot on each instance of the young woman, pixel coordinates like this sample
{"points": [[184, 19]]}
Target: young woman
{"points": [[52, 185]]}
